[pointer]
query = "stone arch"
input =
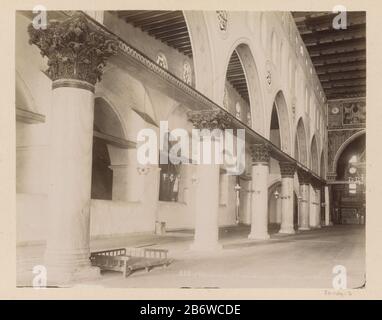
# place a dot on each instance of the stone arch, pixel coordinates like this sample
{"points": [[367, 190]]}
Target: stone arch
{"points": [[201, 51], [314, 160], [301, 141], [256, 100], [107, 119], [109, 129], [344, 145], [280, 113]]}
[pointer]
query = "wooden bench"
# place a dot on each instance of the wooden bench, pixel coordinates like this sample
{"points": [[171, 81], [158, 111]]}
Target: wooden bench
{"points": [[127, 260]]}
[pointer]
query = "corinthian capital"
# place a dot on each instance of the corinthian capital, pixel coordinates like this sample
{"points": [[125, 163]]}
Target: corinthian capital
{"points": [[303, 176], [260, 153], [210, 119], [76, 48], [287, 169]]}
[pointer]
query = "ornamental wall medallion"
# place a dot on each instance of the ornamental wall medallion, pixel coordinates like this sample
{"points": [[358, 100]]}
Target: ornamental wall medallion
{"points": [[187, 73], [161, 60], [268, 74], [222, 17], [225, 99]]}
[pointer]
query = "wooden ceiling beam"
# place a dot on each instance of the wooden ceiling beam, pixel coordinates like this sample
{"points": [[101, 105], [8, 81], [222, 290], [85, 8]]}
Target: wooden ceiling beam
{"points": [[146, 15], [346, 95], [350, 82], [167, 22], [174, 36], [180, 40], [333, 34], [168, 26], [345, 89], [166, 16], [169, 31], [338, 45], [346, 75], [335, 56], [335, 66]]}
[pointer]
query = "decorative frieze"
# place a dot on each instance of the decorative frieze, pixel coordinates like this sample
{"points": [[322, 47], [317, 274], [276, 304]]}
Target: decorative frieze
{"points": [[287, 169], [210, 119], [222, 17], [76, 48], [260, 153]]}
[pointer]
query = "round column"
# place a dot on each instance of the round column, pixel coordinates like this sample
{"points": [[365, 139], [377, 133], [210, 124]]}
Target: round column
{"points": [[303, 212], [259, 207], [287, 170], [211, 124], [327, 207], [74, 74]]}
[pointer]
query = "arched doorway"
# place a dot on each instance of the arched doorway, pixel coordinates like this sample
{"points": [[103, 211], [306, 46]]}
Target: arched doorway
{"points": [[349, 193]]}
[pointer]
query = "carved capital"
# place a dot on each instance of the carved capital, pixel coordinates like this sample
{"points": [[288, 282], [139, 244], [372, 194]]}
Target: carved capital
{"points": [[260, 153], [76, 48], [287, 169], [303, 176], [210, 119]]}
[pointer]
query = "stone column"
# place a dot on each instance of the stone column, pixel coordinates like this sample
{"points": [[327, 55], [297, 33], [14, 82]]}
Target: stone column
{"points": [[206, 236], [259, 207], [77, 51], [315, 215], [303, 212], [318, 203], [327, 207], [287, 170]]}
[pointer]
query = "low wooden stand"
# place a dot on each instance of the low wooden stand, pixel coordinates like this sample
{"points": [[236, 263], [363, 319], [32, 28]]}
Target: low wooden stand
{"points": [[127, 260]]}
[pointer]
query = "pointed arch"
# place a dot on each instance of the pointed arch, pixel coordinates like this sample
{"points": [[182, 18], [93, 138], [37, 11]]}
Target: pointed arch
{"points": [[250, 76], [280, 121], [301, 142], [314, 160]]}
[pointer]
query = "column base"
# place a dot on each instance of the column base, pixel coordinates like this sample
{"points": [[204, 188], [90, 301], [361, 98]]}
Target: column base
{"points": [[63, 278], [287, 231], [258, 236], [67, 267], [203, 247], [303, 228]]}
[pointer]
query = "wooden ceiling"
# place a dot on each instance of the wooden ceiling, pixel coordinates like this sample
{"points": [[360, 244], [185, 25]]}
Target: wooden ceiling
{"points": [[339, 56], [236, 76], [167, 26], [170, 27]]}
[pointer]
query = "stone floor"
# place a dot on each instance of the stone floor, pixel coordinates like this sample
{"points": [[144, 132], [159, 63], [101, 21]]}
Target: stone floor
{"points": [[303, 260]]}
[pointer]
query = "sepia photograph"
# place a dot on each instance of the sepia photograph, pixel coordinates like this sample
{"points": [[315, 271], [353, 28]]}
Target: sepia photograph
{"points": [[190, 148]]}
